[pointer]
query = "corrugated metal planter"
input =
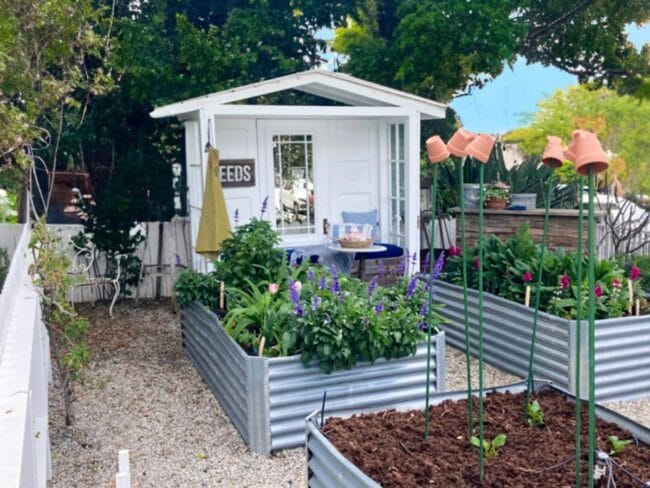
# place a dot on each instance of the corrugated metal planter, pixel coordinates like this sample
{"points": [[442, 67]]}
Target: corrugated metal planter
{"points": [[622, 345], [327, 467], [267, 399]]}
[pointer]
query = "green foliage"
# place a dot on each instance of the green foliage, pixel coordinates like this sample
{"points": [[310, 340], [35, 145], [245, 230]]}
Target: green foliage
{"points": [[250, 255], [621, 122], [193, 286], [643, 263], [8, 212], [466, 44], [505, 265], [5, 261], [490, 448], [618, 446], [534, 414], [496, 193], [66, 328]]}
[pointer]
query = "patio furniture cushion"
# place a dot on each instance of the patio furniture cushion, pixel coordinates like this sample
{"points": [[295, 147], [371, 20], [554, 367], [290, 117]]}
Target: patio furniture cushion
{"points": [[392, 251]]}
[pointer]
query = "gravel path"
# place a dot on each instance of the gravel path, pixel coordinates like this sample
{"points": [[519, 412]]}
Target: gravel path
{"points": [[142, 394]]}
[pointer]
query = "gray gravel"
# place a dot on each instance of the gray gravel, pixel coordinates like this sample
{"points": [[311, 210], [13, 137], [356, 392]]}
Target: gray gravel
{"points": [[142, 394]]}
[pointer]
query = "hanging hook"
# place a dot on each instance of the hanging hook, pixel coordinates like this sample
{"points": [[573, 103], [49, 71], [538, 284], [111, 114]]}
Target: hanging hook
{"points": [[208, 144]]}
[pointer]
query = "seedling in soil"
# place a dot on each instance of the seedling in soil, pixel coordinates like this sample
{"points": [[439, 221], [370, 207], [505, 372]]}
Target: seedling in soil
{"points": [[490, 448], [534, 414], [617, 445]]}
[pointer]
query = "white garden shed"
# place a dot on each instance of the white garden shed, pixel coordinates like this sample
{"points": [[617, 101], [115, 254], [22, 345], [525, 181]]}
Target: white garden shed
{"points": [[313, 162]]}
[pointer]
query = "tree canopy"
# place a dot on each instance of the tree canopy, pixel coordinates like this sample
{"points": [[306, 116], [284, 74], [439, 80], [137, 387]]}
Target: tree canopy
{"points": [[437, 48], [621, 122]]}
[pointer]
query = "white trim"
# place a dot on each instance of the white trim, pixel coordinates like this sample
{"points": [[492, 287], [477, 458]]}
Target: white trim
{"points": [[304, 111], [330, 85], [413, 185]]}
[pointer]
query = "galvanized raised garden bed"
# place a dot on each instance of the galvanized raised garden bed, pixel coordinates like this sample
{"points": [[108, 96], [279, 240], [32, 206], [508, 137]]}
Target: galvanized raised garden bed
{"points": [[267, 399], [622, 345], [327, 467]]}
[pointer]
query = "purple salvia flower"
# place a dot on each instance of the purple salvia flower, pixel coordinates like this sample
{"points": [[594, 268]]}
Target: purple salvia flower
{"points": [[427, 261], [236, 217], [379, 308], [401, 271], [322, 284], [310, 275], [178, 261], [413, 284], [335, 287], [381, 269], [315, 303], [372, 286], [294, 294], [424, 309], [439, 264], [265, 204]]}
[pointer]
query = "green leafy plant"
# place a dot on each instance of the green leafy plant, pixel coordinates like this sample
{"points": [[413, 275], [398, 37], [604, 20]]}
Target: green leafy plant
{"points": [[66, 328], [618, 446], [534, 414], [490, 448], [193, 286], [496, 193], [250, 256]]}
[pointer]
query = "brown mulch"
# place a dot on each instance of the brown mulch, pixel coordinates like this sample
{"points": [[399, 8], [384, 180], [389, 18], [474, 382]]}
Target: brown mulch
{"points": [[389, 446]]}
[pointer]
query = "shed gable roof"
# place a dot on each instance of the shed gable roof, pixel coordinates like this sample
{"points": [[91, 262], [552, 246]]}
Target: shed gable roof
{"points": [[334, 86]]}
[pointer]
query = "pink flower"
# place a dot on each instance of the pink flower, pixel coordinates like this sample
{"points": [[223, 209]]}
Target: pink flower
{"points": [[528, 276], [598, 291], [616, 283], [297, 286], [565, 282], [635, 274], [273, 288], [477, 263], [454, 251]]}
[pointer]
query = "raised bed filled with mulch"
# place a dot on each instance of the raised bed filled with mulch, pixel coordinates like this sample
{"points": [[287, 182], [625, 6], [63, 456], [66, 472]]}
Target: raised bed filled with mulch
{"points": [[387, 448]]}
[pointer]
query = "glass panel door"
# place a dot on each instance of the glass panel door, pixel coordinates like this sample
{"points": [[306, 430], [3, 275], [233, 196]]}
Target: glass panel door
{"points": [[397, 184], [293, 171]]}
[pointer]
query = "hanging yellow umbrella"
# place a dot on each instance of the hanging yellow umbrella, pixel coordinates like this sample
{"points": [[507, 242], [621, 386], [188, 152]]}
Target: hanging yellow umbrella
{"points": [[214, 225]]}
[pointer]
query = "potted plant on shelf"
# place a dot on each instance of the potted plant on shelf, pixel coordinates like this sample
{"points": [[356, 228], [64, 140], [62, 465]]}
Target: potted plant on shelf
{"points": [[496, 197]]}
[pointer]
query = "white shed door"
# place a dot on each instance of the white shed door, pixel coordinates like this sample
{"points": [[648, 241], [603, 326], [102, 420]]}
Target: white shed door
{"points": [[353, 167]]}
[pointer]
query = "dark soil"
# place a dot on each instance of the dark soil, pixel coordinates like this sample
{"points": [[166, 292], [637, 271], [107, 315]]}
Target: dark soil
{"points": [[389, 446]]}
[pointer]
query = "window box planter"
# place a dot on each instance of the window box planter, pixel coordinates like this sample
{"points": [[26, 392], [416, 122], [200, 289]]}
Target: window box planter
{"points": [[622, 345], [267, 399], [327, 466]]}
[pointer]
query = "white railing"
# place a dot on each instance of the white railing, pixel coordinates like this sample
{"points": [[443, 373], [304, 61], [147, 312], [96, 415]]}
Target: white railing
{"points": [[24, 378]]}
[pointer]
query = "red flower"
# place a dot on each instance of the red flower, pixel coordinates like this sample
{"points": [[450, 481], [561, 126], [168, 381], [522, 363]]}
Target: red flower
{"points": [[528, 276], [565, 282], [616, 283], [455, 251], [477, 263], [598, 291], [635, 274]]}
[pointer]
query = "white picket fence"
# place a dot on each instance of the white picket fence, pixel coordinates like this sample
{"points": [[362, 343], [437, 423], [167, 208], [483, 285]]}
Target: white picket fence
{"points": [[24, 377], [175, 248]]}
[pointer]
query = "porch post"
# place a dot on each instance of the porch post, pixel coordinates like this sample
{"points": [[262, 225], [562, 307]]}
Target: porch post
{"points": [[413, 186]]}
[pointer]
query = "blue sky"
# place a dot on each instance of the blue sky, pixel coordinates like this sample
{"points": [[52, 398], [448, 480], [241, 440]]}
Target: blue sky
{"points": [[505, 102]]}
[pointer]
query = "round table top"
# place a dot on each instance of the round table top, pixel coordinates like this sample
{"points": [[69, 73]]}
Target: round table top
{"points": [[373, 248]]}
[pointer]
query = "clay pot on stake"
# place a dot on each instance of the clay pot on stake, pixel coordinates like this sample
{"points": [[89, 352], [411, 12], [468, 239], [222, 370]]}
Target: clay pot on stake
{"points": [[589, 158], [552, 158], [457, 146], [480, 149], [437, 152]]}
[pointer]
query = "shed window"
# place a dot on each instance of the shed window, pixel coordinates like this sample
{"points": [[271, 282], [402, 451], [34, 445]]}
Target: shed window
{"points": [[293, 165]]}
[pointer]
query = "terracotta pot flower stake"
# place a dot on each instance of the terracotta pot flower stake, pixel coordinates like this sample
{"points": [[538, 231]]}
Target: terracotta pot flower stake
{"points": [[552, 158], [480, 148], [437, 152], [457, 146], [589, 158]]}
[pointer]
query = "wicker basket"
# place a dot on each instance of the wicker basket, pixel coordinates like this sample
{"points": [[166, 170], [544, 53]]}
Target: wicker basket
{"points": [[355, 244]]}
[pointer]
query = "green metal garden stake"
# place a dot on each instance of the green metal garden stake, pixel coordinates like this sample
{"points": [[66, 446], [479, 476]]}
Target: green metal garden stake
{"points": [[592, 327], [538, 291], [434, 190], [578, 405], [480, 319], [463, 246]]}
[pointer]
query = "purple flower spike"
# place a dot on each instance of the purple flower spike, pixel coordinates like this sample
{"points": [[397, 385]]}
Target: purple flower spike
{"points": [[335, 287], [294, 294], [372, 286], [379, 308], [439, 264], [178, 261], [381, 269], [427, 261], [265, 204], [315, 303], [310, 275], [413, 284], [322, 284], [236, 217]]}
